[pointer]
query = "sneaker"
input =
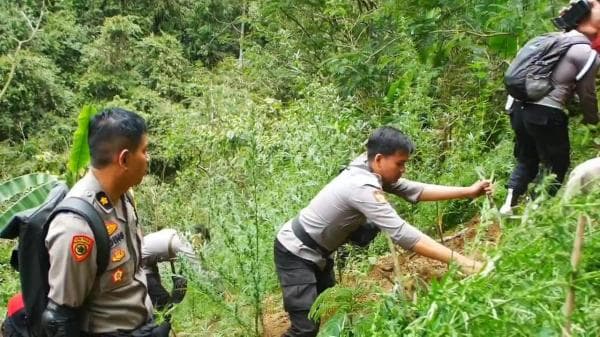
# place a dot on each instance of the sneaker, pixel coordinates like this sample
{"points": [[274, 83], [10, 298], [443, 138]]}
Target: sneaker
{"points": [[507, 208]]}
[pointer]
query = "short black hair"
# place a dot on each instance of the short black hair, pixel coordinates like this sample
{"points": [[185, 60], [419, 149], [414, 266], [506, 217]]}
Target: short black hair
{"points": [[111, 131], [388, 140]]}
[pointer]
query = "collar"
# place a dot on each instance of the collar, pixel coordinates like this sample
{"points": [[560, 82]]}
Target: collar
{"points": [[101, 198], [362, 162]]}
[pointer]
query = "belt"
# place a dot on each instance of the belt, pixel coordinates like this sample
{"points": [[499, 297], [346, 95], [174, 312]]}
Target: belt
{"points": [[307, 240]]}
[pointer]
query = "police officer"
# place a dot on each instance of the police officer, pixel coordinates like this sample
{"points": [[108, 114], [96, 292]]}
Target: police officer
{"points": [[162, 246], [82, 302], [541, 128], [304, 245]]}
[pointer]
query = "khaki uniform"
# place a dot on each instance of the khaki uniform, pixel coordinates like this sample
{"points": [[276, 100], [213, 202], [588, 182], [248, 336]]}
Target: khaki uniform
{"points": [[354, 197], [583, 178], [118, 298]]}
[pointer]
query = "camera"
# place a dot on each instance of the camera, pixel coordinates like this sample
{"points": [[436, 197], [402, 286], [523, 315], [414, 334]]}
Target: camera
{"points": [[569, 19]]}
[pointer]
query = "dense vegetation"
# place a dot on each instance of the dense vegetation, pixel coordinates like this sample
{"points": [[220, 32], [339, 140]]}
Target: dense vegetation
{"points": [[254, 105]]}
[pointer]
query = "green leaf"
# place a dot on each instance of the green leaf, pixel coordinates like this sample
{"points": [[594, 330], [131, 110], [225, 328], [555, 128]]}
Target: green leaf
{"points": [[334, 326], [31, 199], [12, 187], [80, 151], [505, 45]]}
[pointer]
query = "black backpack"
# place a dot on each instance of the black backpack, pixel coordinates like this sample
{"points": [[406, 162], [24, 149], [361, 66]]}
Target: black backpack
{"points": [[529, 76], [30, 258]]}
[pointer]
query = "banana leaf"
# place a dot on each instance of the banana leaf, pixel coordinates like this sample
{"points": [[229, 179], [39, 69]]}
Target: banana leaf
{"points": [[29, 200], [18, 185], [80, 151]]}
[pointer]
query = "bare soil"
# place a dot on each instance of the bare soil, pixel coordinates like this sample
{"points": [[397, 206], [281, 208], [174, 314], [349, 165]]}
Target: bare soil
{"points": [[415, 270]]}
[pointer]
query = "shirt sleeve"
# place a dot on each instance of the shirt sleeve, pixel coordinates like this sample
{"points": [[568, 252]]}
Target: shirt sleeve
{"points": [[72, 254], [183, 247], [371, 202], [406, 189], [156, 246], [586, 86]]}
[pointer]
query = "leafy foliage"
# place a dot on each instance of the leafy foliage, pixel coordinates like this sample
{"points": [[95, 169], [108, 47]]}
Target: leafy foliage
{"points": [[254, 105], [80, 151], [30, 189]]}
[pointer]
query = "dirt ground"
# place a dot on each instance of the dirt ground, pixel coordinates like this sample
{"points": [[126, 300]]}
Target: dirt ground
{"points": [[414, 269]]}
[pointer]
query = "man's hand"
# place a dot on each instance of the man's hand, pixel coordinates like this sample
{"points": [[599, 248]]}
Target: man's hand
{"points": [[470, 267], [481, 187]]}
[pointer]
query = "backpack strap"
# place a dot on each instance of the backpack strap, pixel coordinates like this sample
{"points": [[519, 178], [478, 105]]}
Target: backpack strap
{"points": [[84, 209]]}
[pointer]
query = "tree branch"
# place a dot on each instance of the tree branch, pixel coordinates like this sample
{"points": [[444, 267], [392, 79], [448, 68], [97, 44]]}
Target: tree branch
{"points": [[575, 258], [20, 44], [472, 32]]}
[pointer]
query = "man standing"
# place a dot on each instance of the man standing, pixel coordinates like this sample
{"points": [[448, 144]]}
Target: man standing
{"points": [[82, 302], [304, 245], [541, 127]]}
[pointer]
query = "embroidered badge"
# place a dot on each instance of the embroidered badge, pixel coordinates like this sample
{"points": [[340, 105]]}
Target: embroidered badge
{"points": [[81, 247], [115, 240], [118, 255], [104, 202], [379, 196], [111, 227], [117, 275]]}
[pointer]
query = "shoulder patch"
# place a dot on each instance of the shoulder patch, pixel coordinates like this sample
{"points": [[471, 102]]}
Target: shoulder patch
{"points": [[111, 227], [104, 202], [379, 196], [81, 247], [118, 255], [117, 275]]}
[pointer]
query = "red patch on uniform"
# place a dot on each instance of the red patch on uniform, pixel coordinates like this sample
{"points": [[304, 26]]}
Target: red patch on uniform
{"points": [[117, 275], [81, 247], [15, 304]]}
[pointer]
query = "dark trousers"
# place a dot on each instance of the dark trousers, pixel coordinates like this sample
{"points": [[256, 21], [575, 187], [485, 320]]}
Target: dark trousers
{"points": [[10, 328], [541, 137], [301, 282]]}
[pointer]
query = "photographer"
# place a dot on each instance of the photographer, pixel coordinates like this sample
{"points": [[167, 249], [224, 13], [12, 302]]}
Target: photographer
{"points": [[541, 126]]}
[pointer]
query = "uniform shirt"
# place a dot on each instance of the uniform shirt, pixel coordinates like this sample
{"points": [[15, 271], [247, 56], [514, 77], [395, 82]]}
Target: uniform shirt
{"points": [[348, 201], [118, 298], [583, 178], [579, 58], [164, 245]]}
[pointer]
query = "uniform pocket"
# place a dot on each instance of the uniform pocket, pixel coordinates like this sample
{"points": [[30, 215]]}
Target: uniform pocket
{"points": [[299, 287]]}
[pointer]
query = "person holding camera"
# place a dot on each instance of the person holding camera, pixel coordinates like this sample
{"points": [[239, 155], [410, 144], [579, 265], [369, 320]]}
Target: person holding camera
{"points": [[541, 125]]}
